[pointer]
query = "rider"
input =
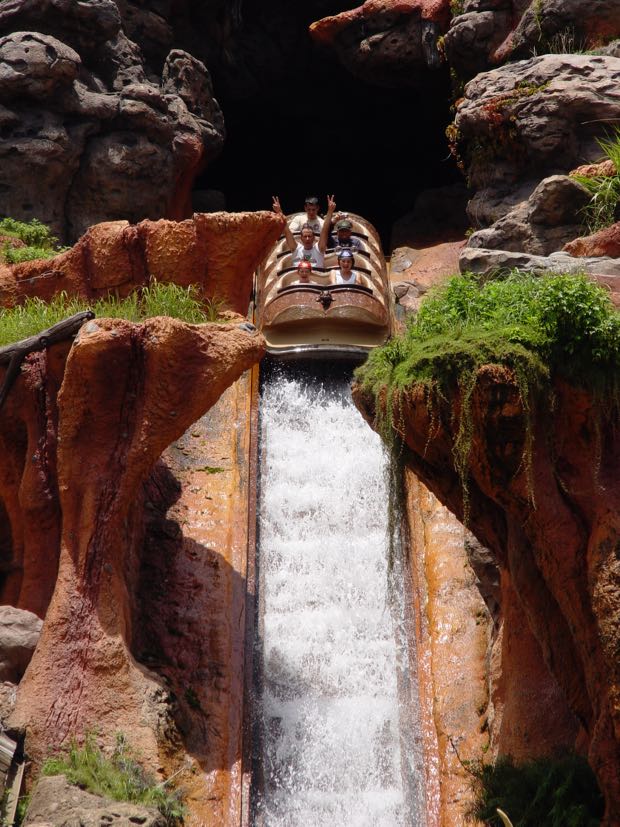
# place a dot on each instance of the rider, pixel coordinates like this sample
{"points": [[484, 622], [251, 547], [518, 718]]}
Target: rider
{"points": [[304, 273], [345, 273], [307, 248], [343, 237], [312, 217]]}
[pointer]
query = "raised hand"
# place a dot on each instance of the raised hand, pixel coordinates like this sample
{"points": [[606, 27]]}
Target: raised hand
{"points": [[331, 204], [276, 205]]}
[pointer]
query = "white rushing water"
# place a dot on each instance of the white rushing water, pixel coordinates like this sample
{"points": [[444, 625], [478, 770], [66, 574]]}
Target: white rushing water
{"points": [[330, 675]]}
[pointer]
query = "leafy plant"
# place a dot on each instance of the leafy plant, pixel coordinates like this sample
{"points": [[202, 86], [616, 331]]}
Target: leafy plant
{"points": [[602, 211], [555, 792], [119, 777], [39, 241]]}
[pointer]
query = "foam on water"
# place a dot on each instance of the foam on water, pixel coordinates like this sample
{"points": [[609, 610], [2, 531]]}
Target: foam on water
{"points": [[329, 668]]}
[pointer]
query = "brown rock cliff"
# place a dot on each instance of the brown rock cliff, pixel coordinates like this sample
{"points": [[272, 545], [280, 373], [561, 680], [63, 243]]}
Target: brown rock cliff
{"points": [[562, 554]]}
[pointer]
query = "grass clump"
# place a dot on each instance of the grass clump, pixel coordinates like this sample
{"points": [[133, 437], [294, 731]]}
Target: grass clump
{"points": [[604, 207], [555, 792], [35, 315], [536, 326], [118, 777], [37, 238]]}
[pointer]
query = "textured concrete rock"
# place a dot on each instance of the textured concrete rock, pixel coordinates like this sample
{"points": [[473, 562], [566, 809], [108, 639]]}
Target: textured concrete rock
{"points": [[128, 391], [550, 217], [56, 802], [488, 32], [605, 242], [390, 42], [561, 556], [218, 252], [19, 635], [536, 118], [84, 127]]}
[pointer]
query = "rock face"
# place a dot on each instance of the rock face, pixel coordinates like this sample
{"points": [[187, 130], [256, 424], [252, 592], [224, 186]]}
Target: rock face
{"points": [[85, 127], [561, 555], [56, 802], [218, 252], [485, 34], [391, 42], [529, 120], [549, 218], [19, 634], [604, 243], [128, 390]]}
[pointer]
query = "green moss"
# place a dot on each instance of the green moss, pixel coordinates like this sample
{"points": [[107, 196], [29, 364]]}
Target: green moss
{"points": [[118, 777], [553, 792], [535, 326]]}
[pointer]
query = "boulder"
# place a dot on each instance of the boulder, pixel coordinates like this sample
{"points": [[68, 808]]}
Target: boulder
{"points": [[19, 635], [550, 217], [58, 803], [605, 242], [84, 126], [535, 118]]}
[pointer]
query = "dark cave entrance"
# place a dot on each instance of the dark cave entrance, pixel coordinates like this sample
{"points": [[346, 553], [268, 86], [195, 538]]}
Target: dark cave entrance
{"points": [[302, 124]]}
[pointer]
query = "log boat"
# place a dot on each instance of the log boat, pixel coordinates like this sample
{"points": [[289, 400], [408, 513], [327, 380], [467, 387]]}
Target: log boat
{"points": [[324, 319]]}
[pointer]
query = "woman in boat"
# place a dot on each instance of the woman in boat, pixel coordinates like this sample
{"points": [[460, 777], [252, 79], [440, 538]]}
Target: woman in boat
{"points": [[345, 273]]}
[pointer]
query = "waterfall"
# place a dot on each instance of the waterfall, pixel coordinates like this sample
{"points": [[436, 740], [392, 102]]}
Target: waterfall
{"points": [[333, 742]]}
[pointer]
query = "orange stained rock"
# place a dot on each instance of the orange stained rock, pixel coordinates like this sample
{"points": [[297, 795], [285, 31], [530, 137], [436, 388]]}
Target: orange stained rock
{"points": [[453, 636], [327, 29], [128, 391], [216, 251]]}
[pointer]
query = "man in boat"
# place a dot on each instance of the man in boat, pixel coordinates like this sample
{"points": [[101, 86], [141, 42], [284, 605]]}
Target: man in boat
{"points": [[343, 237], [304, 273], [312, 217], [345, 273], [307, 249]]}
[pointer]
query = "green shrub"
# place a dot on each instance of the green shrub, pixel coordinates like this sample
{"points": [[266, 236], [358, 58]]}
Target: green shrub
{"points": [[35, 315], [32, 233], [118, 777], [39, 241], [15, 255], [551, 792], [602, 211], [536, 326]]}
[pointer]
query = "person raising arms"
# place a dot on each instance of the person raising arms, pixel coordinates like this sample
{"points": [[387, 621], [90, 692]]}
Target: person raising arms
{"points": [[307, 248]]}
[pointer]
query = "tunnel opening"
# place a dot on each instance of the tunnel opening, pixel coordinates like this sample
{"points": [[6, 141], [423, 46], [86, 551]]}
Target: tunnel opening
{"points": [[299, 123]]}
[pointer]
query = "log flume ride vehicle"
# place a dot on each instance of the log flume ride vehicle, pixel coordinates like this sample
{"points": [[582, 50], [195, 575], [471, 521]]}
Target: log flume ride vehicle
{"points": [[325, 319]]}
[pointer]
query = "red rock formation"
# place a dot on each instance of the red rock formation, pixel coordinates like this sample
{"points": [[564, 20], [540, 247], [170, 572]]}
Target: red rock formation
{"points": [[561, 553], [216, 251], [605, 242], [128, 391]]}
